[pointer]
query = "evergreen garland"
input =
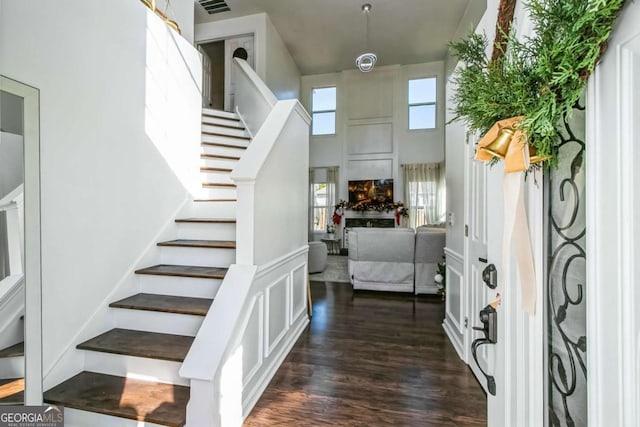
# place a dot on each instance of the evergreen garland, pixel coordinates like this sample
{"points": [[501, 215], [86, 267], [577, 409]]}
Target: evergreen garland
{"points": [[541, 77]]}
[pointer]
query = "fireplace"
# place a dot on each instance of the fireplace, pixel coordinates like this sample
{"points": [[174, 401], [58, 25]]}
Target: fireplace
{"points": [[369, 222]]}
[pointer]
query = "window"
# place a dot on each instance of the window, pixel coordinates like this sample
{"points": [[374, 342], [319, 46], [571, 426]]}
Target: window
{"points": [[323, 111], [320, 206], [425, 193], [323, 182], [422, 103]]}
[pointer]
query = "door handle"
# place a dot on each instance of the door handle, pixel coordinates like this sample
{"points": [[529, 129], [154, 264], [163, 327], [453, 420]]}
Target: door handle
{"points": [[483, 260], [489, 319]]}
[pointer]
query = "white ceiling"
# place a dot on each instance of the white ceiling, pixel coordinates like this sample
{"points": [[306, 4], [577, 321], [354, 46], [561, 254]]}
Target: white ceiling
{"points": [[327, 35]]}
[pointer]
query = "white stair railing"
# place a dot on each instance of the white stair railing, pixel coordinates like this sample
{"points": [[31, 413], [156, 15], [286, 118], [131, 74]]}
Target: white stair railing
{"points": [[12, 285], [13, 206], [254, 100]]}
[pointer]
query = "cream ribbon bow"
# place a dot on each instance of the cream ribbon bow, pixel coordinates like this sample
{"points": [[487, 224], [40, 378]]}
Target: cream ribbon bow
{"points": [[516, 228]]}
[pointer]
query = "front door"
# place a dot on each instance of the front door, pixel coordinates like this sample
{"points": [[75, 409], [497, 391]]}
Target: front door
{"points": [[476, 231]]}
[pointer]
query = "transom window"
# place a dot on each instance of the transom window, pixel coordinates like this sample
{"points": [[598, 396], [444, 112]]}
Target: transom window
{"points": [[422, 103], [323, 111]]}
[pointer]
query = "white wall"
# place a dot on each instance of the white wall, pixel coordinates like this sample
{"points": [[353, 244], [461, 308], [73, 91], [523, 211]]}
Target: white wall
{"points": [[273, 63], [181, 11], [283, 76], [116, 96], [372, 135]]}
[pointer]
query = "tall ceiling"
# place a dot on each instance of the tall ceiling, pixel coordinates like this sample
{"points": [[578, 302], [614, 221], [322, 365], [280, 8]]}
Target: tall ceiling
{"points": [[327, 35]]}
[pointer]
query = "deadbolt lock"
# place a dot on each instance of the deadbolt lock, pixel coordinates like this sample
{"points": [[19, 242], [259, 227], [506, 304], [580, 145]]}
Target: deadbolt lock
{"points": [[490, 276]]}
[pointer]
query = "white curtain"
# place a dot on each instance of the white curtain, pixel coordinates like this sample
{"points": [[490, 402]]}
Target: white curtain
{"points": [[424, 189], [329, 176], [332, 187]]}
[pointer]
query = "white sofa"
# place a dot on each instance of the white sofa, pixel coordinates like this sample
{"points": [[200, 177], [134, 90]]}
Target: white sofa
{"points": [[395, 259], [381, 259]]}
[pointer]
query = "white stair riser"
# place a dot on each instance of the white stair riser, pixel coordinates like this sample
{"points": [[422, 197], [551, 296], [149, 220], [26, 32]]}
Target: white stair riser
{"points": [[222, 177], [178, 286], [219, 163], [206, 120], [223, 151], [236, 142], [218, 193], [223, 130], [153, 321], [12, 367], [201, 257], [162, 371], [214, 209], [206, 231], [78, 418], [220, 113]]}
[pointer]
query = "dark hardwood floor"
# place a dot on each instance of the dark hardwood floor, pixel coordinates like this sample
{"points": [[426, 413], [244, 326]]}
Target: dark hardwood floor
{"points": [[372, 359]]}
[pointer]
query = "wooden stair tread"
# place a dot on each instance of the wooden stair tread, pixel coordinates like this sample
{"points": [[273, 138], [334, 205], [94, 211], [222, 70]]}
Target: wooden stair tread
{"points": [[215, 200], [13, 351], [218, 156], [151, 345], [222, 144], [165, 303], [163, 404], [187, 243], [242, 137], [212, 169], [184, 271], [219, 184], [12, 391], [238, 126], [208, 220]]}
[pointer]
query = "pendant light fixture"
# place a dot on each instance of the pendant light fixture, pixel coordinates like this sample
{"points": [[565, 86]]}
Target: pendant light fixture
{"points": [[366, 61]]}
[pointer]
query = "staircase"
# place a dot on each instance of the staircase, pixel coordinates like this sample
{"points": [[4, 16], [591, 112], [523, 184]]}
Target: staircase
{"points": [[12, 375], [131, 371]]}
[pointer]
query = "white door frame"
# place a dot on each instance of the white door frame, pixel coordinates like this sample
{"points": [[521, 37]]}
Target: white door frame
{"points": [[32, 267], [613, 208]]}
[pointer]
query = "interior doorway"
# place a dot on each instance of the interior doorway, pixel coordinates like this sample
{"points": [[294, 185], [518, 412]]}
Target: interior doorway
{"points": [[26, 116], [218, 73]]}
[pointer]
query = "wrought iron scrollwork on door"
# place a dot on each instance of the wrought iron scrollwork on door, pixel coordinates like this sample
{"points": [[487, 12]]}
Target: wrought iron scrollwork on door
{"points": [[566, 313]]}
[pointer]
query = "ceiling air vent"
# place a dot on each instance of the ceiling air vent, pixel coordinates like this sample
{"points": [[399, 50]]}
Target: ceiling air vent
{"points": [[214, 6]]}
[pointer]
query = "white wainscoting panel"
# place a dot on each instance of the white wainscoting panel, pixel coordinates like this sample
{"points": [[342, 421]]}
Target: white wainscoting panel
{"points": [[298, 292], [370, 95], [370, 138], [252, 344], [454, 298], [370, 169], [277, 315], [455, 311]]}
